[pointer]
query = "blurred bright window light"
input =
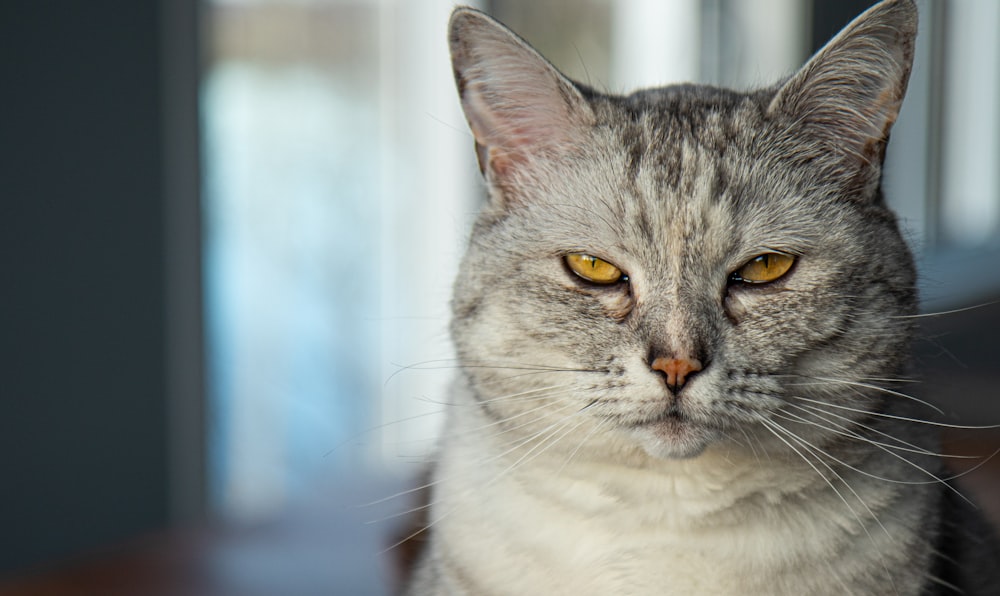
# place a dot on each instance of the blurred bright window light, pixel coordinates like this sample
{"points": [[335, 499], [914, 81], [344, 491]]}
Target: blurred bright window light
{"points": [[338, 184]]}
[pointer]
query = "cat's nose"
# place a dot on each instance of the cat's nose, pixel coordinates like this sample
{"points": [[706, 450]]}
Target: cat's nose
{"points": [[677, 370]]}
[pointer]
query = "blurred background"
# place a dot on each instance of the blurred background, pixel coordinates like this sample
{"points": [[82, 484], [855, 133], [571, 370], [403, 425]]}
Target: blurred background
{"points": [[229, 231]]}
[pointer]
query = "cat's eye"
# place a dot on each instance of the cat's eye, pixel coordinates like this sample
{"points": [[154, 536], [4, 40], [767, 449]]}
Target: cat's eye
{"points": [[594, 270], [764, 268]]}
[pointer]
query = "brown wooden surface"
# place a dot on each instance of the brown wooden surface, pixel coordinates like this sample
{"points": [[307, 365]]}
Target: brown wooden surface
{"points": [[323, 546]]}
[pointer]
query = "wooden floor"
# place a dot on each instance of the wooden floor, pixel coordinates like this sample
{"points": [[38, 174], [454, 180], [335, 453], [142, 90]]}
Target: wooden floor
{"points": [[325, 546]]}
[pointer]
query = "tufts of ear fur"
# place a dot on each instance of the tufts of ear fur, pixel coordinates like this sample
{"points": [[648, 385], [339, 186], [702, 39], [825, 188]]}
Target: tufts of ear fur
{"points": [[849, 94], [518, 105]]}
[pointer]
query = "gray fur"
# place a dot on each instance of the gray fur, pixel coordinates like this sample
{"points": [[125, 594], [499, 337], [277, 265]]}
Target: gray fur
{"points": [[568, 466]]}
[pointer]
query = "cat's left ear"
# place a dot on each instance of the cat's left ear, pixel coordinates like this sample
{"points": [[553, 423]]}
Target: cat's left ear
{"points": [[849, 94], [519, 107]]}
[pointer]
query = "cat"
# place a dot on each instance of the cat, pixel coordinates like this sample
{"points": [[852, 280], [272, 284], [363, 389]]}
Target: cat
{"points": [[678, 324]]}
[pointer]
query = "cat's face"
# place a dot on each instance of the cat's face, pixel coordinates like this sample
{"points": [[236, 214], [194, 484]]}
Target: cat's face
{"points": [[675, 266]]}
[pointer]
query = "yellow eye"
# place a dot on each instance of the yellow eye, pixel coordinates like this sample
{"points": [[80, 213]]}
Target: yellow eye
{"points": [[593, 269], [764, 268]]}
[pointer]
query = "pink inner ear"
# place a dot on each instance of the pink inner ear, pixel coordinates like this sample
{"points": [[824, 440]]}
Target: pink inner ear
{"points": [[519, 122], [518, 105], [850, 93]]}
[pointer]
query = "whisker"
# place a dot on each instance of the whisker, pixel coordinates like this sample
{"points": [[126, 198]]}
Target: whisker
{"points": [[544, 443], [600, 424], [377, 427], [428, 505], [944, 583], [891, 380], [750, 444], [935, 479], [511, 396], [820, 453], [530, 395], [398, 514], [794, 418], [503, 421], [522, 396], [906, 446], [901, 418], [874, 387], [516, 444], [773, 427], [777, 430], [404, 540], [529, 423], [438, 364], [401, 493], [946, 312]]}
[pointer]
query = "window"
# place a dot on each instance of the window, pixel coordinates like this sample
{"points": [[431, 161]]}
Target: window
{"points": [[338, 188]]}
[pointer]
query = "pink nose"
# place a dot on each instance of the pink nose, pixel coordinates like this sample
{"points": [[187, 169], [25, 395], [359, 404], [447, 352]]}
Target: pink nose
{"points": [[677, 370]]}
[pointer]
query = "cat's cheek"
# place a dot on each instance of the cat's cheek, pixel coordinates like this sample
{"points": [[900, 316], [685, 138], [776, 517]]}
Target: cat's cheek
{"points": [[736, 307], [618, 304]]}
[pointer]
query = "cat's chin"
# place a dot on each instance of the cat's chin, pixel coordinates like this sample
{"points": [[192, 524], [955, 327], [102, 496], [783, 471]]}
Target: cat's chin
{"points": [[673, 438]]}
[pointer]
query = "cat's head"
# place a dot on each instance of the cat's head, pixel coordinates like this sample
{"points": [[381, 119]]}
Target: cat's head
{"points": [[675, 265]]}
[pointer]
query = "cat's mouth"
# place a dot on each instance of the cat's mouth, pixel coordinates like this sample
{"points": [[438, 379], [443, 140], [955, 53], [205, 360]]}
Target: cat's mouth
{"points": [[673, 434], [672, 422]]}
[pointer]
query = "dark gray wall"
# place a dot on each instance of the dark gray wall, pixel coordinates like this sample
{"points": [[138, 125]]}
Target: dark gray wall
{"points": [[84, 457]]}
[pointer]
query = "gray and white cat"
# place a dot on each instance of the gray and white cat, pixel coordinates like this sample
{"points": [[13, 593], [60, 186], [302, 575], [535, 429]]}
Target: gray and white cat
{"points": [[678, 323]]}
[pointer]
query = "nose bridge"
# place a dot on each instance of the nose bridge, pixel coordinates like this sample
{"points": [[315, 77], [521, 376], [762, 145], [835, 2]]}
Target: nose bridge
{"points": [[682, 321], [672, 325], [680, 330], [680, 324]]}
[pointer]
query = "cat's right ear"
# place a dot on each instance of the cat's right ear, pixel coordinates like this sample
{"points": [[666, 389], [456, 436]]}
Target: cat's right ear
{"points": [[848, 96], [519, 107]]}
